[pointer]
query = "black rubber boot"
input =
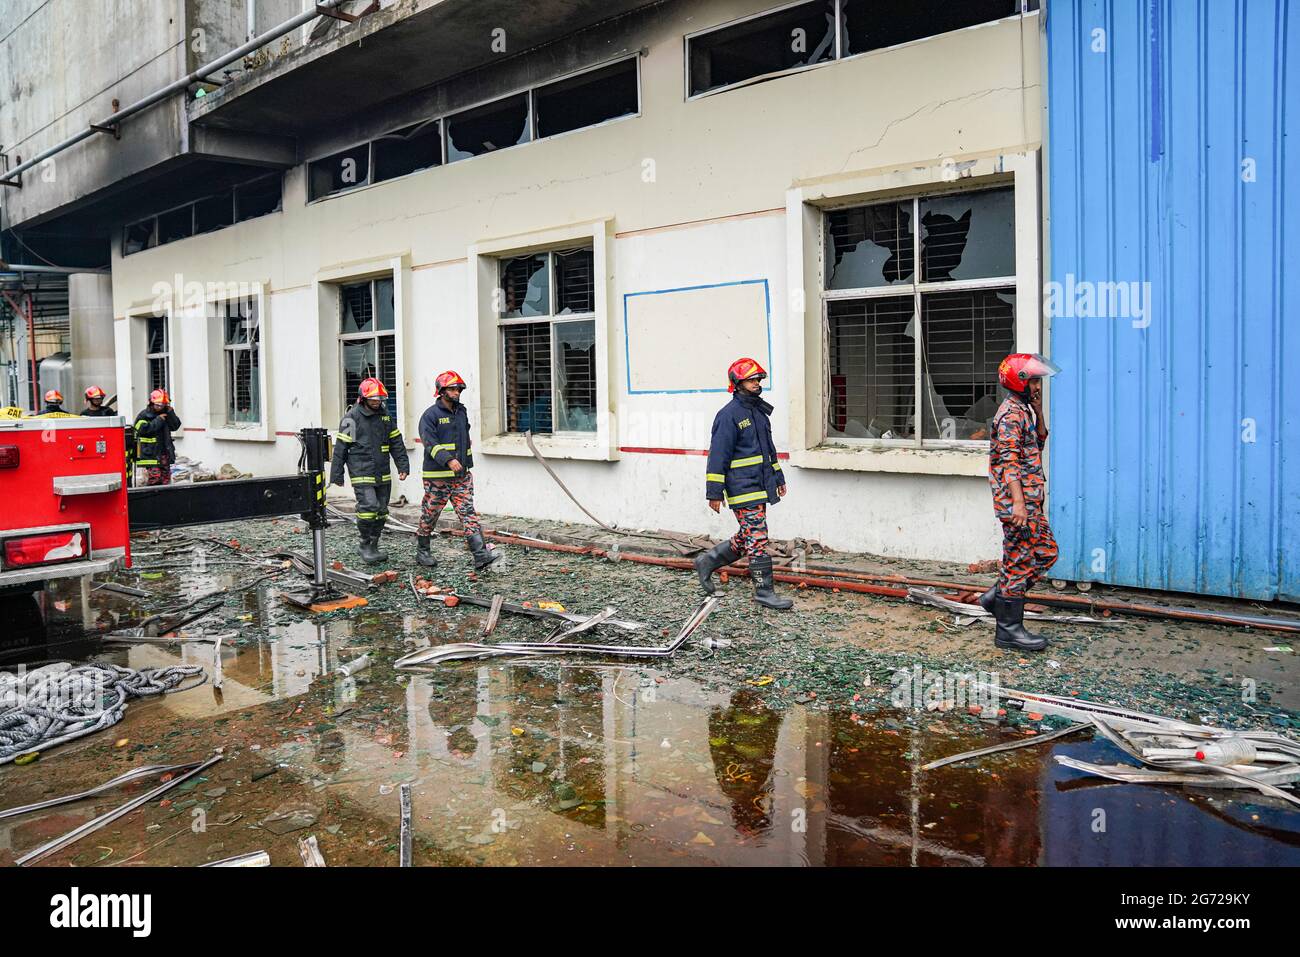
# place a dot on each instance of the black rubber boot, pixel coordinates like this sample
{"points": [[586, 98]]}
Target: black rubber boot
{"points": [[369, 553], [376, 530], [1011, 633], [422, 553], [706, 563], [988, 598], [760, 569], [483, 556]]}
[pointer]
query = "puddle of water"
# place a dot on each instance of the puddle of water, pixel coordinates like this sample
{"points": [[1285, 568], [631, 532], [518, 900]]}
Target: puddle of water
{"points": [[541, 763]]}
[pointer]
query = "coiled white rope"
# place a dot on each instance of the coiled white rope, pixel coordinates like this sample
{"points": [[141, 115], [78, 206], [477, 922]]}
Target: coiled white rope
{"points": [[60, 702]]}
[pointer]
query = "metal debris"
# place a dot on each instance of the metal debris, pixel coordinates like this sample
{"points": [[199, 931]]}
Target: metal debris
{"points": [[469, 650], [494, 615], [356, 666], [151, 770], [1006, 746], [404, 854], [251, 859], [969, 613], [108, 817], [309, 850]]}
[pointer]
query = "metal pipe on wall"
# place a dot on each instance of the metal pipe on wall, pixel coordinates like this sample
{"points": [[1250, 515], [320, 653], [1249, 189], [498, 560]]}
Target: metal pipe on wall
{"points": [[176, 86]]}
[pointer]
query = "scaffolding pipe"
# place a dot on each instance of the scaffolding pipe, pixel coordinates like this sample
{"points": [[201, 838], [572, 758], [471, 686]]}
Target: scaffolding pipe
{"points": [[11, 177], [56, 270]]}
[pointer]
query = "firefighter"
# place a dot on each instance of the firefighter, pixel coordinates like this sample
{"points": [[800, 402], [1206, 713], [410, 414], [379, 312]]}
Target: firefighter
{"points": [[744, 470], [1016, 476], [154, 449], [448, 458], [366, 438], [95, 404], [54, 407]]}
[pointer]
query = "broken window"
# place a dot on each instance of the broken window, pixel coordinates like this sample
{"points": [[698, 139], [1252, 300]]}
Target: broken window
{"points": [[407, 150], [367, 339], [493, 126], [548, 331], [347, 169], [873, 24], [908, 360], [587, 99], [791, 37], [803, 34], [176, 224], [214, 212], [869, 246], [139, 236], [158, 353], [258, 197], [242, 353]]}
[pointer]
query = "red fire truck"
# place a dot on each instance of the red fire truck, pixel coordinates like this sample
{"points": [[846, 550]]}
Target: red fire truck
{"points": [[63, 500]]}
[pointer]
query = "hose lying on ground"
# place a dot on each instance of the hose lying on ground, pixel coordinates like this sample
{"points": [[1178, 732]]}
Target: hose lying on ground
{"points": [[60, 702]]}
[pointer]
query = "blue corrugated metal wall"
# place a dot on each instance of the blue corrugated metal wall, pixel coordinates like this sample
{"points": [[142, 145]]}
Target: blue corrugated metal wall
{"points": [[1169, 123]]}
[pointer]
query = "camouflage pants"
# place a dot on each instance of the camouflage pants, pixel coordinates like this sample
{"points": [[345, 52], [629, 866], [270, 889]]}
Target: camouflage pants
{"points": [[160, 474], [460, 492], [1028, 551], [751, 538]]}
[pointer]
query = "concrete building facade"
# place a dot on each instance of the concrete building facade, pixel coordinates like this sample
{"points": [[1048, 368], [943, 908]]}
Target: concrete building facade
{"points": [[853, 199]]}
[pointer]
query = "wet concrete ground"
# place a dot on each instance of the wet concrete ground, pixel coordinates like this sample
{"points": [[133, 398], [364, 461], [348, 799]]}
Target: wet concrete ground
{"points": [[691, 762]]}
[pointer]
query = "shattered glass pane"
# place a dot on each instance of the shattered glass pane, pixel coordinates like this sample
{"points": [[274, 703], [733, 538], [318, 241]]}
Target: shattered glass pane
{"points": [[968, 235], [587, 99], [873, 25], [869, 246], [525, 287], [486, 128], [793, 37]]}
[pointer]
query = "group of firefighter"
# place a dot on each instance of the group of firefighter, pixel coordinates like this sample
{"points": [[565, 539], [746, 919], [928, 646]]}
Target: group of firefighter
{"points": [[743, 471], [149, 439]]}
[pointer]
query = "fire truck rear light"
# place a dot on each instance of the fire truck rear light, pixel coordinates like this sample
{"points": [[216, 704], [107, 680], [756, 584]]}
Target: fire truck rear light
{"points": [[8, 456], [48, 548]]}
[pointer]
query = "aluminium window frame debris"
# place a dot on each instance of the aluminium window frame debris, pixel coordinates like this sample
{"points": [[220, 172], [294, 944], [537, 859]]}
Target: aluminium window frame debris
{"points": [[109, 817], [126, 778]]}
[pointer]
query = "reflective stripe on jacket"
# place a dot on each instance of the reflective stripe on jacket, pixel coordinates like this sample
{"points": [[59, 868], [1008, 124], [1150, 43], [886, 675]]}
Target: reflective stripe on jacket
{"points": [[364, 442], [743, 466], [445, 434], [153, 436]]}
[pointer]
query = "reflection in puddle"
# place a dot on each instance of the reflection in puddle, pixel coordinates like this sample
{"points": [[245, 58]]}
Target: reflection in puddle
{"points": [[541, 763]]}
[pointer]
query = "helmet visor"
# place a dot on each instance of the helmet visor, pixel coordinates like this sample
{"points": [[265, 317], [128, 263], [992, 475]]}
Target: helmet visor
{"points": [[1038, 367]]}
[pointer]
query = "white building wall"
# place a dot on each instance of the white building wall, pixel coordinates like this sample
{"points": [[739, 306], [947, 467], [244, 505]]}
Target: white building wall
{"points": [[726, 167]]}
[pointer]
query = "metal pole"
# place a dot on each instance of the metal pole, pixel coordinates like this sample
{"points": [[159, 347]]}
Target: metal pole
{"points": [[11, 177], [31, 348], [318, 557]]}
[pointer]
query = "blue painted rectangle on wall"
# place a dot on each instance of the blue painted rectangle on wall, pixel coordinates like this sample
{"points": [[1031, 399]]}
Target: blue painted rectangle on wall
{"points": [[1174, 307]]}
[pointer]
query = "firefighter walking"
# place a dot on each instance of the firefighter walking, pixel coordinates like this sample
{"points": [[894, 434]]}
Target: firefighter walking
{"points": [[1016, 477], [367, 437], [154, 449], [448, 458], [744, 471]]}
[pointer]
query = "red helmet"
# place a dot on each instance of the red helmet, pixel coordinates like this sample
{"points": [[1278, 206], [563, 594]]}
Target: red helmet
{"points": [[159, 396], [55, 396], [95, 392], [744, 369], [1015, 371], [372, 389], [449, 380]]}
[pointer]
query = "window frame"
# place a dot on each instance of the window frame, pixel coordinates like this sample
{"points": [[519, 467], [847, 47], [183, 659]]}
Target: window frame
{"points": [[231, 191], [552, 320], [251, 345], [165, 357], [340, 337], [917, 289], [443, 117], [838, 56]]}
